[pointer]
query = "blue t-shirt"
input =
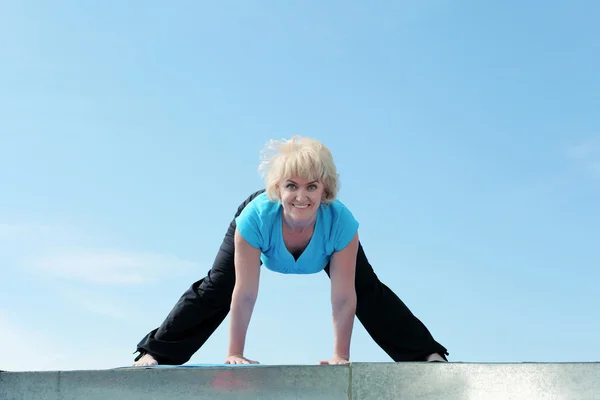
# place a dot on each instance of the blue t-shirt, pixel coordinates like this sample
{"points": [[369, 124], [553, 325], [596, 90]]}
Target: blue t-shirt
{"points": [[260, 224]]}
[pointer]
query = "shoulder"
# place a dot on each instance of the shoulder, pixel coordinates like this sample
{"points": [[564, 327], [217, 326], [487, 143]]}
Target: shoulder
{"points": [[339, 212], [256, 219], [260, 209], [261, 205], [340, 224]]}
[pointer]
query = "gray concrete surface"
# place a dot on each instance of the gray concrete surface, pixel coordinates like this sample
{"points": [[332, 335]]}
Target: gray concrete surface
{"points": [[360, 381], [454, 381]]}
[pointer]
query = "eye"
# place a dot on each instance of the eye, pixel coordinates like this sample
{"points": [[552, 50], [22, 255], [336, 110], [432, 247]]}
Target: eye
{"points": [[290, 186], [312, 187]]}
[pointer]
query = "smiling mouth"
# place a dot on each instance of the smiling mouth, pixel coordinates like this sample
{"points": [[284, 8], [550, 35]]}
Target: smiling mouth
{"points": [[300, 206]]}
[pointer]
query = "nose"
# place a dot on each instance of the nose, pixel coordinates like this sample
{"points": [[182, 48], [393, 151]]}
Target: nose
{"points": [[301, 194]]}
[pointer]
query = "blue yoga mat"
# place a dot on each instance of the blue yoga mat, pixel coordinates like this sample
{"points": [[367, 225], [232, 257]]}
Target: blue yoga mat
{"points": [[199, 366]]}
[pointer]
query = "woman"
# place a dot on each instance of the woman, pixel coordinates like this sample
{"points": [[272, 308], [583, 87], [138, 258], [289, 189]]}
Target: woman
{"points": [[296, 225]]}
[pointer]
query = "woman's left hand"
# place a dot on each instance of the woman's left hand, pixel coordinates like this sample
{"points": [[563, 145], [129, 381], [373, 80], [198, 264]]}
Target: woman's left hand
{"points": [[334, 361]]}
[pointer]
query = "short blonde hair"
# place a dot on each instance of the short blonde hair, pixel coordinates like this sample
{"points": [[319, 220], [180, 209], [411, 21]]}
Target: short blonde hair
{"points": [[308, 158]]}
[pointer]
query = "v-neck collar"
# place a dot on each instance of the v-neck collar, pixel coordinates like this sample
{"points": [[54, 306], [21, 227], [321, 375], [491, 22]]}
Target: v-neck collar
{"points": [[285, 249]]}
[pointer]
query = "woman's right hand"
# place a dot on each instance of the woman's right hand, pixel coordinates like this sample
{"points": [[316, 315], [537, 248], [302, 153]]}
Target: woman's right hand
{"points": [[235, 359], [243, 298]]}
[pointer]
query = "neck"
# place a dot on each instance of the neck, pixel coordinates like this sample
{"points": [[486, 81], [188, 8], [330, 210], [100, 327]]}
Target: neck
{"points": [[298, 226]]}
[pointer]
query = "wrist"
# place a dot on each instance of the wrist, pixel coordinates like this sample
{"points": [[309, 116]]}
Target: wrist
{"points": [[236, 347]]}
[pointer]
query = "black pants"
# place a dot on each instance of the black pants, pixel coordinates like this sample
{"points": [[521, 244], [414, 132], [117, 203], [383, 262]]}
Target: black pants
{"points": [[204, 306]]}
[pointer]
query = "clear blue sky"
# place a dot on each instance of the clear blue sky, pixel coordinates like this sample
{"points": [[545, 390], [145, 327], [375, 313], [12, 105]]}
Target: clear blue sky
{"points": [[467, 136]]}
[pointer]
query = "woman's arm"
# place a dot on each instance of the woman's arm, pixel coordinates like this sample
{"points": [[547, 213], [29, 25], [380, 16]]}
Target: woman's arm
{"points": [[343, 299], [245, 293]]}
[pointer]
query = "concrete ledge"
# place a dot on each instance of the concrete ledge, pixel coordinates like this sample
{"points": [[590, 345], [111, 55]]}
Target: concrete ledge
{"points": [[523, 381], [359, 381]]}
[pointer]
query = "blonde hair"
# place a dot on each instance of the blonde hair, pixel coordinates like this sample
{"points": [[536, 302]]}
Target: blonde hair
{"points": [[308, 158]]}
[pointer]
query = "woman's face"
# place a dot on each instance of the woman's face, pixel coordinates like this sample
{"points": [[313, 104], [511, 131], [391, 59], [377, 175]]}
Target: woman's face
{"points": [[301, 198]]}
